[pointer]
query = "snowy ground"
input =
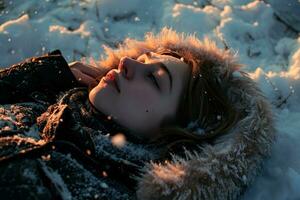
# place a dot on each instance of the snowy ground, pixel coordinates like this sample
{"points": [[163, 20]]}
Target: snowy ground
{"points": [[257, 31]]}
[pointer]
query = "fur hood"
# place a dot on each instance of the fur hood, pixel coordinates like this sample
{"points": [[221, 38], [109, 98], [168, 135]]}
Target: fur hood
{"points": [[222, 170]]}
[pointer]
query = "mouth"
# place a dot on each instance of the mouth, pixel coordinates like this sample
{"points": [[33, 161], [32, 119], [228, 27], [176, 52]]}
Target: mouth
{"points": [[112, 77]]}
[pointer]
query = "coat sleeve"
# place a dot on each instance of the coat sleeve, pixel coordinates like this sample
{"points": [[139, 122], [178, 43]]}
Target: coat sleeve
{"points": [[49, 72]]}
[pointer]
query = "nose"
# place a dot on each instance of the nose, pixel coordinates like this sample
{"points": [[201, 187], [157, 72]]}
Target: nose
{"points": [[130, 67]]}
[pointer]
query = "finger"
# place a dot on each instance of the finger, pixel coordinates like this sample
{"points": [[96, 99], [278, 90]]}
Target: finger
{"points": [[86, 69], [83, 78]]}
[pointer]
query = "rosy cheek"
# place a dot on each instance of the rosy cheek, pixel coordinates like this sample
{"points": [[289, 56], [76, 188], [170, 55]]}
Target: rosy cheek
{"points": [[143, 98]]}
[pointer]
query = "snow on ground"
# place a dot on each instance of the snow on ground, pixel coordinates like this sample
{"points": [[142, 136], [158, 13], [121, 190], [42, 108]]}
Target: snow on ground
{"points": [[265, 35]]}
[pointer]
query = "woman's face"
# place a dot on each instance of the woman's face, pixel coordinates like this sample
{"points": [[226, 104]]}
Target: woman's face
{"points": [[149, 91]]}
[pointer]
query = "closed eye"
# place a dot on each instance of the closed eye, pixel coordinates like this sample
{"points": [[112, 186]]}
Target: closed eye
{"points": [[153, 79]]}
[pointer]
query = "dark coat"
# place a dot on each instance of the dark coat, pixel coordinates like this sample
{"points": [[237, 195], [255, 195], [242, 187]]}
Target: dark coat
{"points": [[53, 146]]}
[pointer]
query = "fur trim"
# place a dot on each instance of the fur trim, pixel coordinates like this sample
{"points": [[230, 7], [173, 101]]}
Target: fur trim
{"points": [[223, 170]]}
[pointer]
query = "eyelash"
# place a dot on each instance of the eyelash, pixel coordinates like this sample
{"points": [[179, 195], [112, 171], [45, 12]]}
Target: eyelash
{"points": [[151, 76], [153, 79]]}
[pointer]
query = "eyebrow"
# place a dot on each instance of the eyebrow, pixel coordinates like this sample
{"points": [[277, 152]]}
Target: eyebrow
{"points": [[164, 68]]}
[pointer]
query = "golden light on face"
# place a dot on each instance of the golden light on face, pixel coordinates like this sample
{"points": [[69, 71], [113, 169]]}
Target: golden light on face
{"points": [[141, 93]]}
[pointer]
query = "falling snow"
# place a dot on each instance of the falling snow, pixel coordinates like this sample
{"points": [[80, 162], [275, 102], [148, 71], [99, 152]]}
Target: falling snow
{"points": [[264, 37]]}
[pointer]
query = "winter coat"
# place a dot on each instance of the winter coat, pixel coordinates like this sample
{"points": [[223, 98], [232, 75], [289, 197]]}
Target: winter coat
{"points": [[52, 145], [221, 169]]}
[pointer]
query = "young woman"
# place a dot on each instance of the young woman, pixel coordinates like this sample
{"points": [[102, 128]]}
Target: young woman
{"points": [[169, 117]]}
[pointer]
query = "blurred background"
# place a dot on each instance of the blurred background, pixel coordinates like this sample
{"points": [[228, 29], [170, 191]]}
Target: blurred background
{"points": [[263, 33]]}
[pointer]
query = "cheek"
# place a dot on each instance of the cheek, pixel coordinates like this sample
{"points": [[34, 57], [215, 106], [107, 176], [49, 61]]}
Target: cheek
{"points": [[141, 97], [138, 109], [138, 106]]}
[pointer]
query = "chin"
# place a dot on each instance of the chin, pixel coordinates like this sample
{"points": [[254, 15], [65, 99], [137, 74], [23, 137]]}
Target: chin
{"points": [[93, 94], [102, 97]]}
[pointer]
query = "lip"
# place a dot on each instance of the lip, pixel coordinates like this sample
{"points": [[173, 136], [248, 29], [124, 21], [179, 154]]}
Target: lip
{"points": [[112, 78]]}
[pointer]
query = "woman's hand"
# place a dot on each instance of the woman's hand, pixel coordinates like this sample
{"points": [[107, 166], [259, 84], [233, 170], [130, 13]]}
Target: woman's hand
{"points": [[86, 74]]}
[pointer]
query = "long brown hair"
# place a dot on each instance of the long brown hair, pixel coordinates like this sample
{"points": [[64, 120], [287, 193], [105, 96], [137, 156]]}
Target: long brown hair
{"points": [[204, 111]]}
